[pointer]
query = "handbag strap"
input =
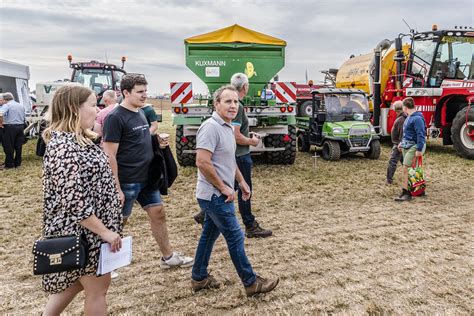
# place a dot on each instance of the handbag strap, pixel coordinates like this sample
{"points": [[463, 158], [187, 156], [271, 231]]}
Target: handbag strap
{"points": [[417, 162]]}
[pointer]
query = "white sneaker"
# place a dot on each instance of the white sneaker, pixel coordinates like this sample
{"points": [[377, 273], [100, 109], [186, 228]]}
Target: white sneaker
{"points": [[114, 274], [176, 260]]}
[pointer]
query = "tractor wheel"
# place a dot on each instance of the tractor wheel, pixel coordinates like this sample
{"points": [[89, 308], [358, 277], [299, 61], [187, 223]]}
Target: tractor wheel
{"points": [[306, 108], [462, 142], [374, 151], [303, 143], [189, 143], [331, 150], [283, 157]]}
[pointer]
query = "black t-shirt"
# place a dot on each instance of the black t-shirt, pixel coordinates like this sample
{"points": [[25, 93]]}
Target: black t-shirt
{"points": [[135, 152]]}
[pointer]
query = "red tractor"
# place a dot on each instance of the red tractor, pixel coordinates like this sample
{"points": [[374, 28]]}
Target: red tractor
{"points": [[98, 76], [435, 68]]}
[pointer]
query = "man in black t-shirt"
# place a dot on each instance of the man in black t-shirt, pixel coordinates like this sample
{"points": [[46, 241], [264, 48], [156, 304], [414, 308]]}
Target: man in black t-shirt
{"points": [[127, 142]]}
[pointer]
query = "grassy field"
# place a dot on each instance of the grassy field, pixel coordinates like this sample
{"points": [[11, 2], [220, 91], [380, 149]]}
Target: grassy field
{"points": [[340, 245]]}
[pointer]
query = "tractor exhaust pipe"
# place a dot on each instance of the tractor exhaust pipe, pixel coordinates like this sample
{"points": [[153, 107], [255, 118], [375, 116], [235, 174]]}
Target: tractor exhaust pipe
{"points": [[399, 57], [384, 44]]}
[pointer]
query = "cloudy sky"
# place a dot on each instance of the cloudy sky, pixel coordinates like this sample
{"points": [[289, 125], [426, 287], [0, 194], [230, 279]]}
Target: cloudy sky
{"points": [[319, 34]]}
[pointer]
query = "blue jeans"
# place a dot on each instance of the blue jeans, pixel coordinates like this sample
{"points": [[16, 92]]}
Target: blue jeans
{"points": [[137, 192], [220, 218], [244, 163]]}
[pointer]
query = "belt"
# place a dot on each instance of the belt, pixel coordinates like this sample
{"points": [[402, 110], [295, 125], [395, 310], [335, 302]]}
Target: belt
{"points": [[13, 125]]}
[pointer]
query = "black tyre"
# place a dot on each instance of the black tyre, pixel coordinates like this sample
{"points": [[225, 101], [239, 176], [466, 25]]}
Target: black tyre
{"points": [[282, 157], [331, 150], [306, 108], [462, 142], [303, 143], [185, 159], [374, 151]]}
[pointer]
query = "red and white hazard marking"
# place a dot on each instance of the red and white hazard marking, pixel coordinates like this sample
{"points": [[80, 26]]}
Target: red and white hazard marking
{"points": [[285, 92], [181, 92]]}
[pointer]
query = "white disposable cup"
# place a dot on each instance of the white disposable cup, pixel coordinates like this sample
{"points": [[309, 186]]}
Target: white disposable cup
{"points": [[164, 136]]}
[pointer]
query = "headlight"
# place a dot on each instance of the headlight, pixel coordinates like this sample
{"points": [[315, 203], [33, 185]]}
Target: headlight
{"points": [[338, 130]]}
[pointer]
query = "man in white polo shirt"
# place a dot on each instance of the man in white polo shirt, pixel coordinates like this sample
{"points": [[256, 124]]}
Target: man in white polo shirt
{"points": [[217, 171]]}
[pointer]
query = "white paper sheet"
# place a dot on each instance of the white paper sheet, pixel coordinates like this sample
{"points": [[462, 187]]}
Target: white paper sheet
{"points": [[109, 261]]}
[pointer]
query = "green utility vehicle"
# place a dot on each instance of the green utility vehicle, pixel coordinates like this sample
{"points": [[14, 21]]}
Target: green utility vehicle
{"points": [[214, 57], [340, 124]]}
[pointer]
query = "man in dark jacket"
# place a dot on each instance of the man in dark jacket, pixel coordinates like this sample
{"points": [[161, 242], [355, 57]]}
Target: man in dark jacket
{"points": [[413, 144], [397, 134]]}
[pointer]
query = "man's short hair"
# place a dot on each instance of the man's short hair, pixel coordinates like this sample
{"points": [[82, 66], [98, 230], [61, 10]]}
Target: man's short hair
{"points": [[409, 103], [109, 94], [398, 106], [239, 80], [218, 93], [7, 96], [129, 81]]}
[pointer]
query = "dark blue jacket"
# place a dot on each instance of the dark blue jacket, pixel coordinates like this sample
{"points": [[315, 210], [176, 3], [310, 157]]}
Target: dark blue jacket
{"points": [[414, 130]]}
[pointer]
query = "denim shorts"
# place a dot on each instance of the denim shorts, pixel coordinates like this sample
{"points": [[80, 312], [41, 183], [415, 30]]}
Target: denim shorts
{"points": [[137, 192]]}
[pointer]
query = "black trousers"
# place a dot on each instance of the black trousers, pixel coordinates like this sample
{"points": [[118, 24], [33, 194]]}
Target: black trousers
{"points": [[13, 138], [395, 157]]}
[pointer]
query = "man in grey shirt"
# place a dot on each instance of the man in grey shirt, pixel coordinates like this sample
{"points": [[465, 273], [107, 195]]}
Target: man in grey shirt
{"points": [[217, 172], [12, 119]]}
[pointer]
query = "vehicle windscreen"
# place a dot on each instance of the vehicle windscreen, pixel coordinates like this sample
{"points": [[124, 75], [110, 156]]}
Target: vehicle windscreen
{"points": [[347, 107], [423, 51], [453, 60], [98, 80]]}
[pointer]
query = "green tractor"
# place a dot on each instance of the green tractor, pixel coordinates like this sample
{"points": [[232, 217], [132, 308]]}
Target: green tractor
{"points": [[214, 57], [340, 124]]}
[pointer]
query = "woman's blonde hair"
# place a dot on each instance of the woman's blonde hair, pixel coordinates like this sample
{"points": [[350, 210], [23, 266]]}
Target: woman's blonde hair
{"points": [[63, 114]]}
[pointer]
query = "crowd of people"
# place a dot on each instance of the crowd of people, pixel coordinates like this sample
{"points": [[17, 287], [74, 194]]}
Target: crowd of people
{"points": [[97, 164]]}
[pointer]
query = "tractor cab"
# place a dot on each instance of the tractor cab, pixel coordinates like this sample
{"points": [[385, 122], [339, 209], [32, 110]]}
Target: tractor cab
{"points": [[441, 55], [97, 76]]}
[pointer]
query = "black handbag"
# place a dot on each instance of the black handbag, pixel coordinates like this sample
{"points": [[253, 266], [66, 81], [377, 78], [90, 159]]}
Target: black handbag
{"points": [[58, 254]]}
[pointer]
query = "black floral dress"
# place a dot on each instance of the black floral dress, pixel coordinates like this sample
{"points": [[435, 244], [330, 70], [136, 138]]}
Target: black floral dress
{"points": [[77, 183]]}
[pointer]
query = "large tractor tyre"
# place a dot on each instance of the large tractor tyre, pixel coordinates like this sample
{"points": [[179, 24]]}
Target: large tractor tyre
{"points": [[306, 109], [462, 142], [282, 157], [374, 151], [303, 143], [331, 150], [185, 159]]}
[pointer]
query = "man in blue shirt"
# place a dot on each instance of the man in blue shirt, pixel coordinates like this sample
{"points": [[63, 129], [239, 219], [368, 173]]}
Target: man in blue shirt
{"points": [[413, 143], [12, 118]]}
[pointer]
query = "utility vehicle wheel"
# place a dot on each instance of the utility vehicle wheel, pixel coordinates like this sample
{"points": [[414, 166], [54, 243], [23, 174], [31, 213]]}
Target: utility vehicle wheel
{"points": [[463, 143], [303, 143], [182, 144], [374, 151], [306, 108], [331, 150], [282, 157]]}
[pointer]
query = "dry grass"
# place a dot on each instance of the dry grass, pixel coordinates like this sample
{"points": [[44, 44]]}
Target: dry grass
{"points": [[341, 244]]}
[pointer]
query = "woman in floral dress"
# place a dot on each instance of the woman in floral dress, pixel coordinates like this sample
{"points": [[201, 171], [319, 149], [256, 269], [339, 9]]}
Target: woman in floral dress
{"points": [[80, 197]]}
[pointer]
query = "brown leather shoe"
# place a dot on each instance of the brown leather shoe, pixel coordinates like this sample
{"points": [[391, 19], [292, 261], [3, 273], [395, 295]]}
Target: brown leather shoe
{"points": [[256, 231], [405, 196], [261, 285], [208, 283]]}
